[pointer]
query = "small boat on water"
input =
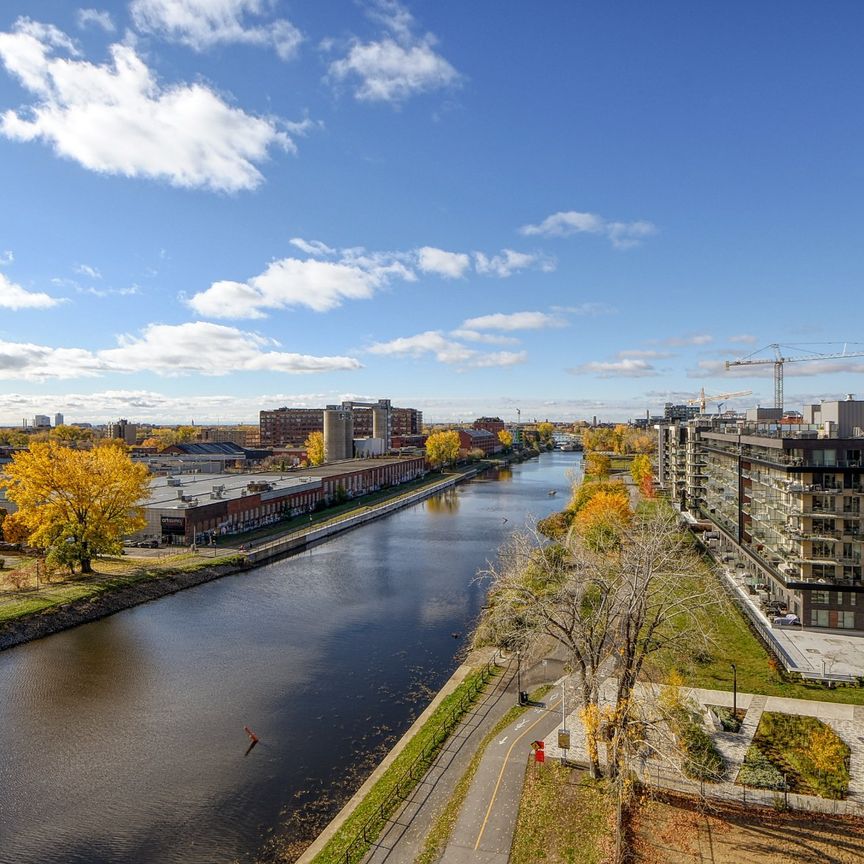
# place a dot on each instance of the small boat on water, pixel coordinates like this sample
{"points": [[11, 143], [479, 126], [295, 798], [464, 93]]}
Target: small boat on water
{"points": [[552, 492]]}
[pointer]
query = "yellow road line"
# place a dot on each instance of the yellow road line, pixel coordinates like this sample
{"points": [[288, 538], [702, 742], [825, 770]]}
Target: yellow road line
{"points": [[501, 773]]}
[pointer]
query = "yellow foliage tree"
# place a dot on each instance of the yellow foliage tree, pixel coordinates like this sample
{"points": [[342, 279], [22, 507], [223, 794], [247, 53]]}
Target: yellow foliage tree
{"points": [[597, 439], [76, 503], [640, 468], [71, 435], [545, 430], [314, 445], [442, 448], [505, 437], [598, 465], [602, 521], [620, 436]]}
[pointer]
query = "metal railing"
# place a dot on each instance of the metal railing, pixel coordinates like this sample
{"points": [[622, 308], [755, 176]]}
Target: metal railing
{"points": [[661, 777]]}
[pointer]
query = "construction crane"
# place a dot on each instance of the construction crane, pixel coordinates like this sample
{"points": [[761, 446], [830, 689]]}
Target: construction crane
{"points": [[720, 398], [779, 359]]}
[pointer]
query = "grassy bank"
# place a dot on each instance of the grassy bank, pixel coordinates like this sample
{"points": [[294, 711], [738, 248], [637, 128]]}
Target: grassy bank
{"points": [[304, 523], [563, 817], [20, 596], [112, 574], [357, 832]]}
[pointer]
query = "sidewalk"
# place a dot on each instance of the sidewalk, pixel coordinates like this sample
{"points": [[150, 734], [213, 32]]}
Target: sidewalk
{"points": [[407, 829]]}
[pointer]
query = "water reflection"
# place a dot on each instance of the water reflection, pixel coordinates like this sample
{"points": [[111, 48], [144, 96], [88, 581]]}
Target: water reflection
{"points": [[123, 740], [446, 502]]}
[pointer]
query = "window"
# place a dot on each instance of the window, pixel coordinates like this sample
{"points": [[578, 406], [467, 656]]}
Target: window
{"points": [[820, 597], [818, 617], [821, 549], [822, 571], [846, 620]]}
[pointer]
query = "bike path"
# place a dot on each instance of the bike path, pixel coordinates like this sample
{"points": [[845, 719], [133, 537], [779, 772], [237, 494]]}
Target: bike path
{"points": [[483, 833]]}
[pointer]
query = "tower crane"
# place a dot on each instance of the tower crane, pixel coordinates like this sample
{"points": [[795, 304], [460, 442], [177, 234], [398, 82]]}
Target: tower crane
{"points": [[779, 359], [719, 398]]}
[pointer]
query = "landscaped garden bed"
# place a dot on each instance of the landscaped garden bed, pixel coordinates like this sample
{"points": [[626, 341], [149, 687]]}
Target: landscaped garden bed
{"points": [[800, 754], [728, 721]]}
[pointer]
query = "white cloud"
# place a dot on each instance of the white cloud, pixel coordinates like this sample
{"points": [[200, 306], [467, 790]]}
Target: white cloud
{"points": [[196, 347], [586, 309], [352, 273], [312, 247], [646, 354], [396, 66], [742, 339], [622, 235], [201, 24], [87, 270], [485, 338], [27, 361], [446, 351], [451, 265], [109, 292], [319, 285], [212, 349], [509, 261], [115, 118], [95, 17], [514, 321], [626, 367], [13, 296], [6, 257]]}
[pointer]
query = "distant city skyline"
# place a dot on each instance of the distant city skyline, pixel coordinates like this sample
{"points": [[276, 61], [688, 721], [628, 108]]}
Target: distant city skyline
{"points": [[577, 210]]}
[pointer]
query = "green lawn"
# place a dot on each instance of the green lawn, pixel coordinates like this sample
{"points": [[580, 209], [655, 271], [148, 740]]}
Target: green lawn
{"points": [[563, 817], [735, 642], [330, 514]]}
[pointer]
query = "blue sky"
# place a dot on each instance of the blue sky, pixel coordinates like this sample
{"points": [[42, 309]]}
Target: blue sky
{"points": [[211, 207]]}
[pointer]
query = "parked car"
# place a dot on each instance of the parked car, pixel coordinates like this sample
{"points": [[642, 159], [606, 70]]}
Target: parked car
{"points": [[786, 620], [149, 544]]}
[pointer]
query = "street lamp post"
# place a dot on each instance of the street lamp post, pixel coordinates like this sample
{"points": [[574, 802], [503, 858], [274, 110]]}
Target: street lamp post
{"points": [[734, 692], [519, 677]]}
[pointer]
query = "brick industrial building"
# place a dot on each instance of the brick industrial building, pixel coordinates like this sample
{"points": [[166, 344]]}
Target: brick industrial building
{"points": [[292, 426], [181, 509]]}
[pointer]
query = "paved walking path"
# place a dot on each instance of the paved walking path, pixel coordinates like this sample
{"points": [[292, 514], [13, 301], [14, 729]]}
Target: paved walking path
{"points": [[484, 830], [846, 720], [405, 834]]}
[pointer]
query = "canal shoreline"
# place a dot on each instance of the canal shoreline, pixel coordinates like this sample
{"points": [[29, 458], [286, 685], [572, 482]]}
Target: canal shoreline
{"points": [[68, 615]]}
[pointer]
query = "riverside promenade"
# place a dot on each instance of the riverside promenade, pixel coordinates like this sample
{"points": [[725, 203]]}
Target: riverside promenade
{"points": [[482, 832]]}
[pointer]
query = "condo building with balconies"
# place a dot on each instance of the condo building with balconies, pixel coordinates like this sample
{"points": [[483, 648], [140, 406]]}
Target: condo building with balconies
{"points": [[786, 498]]}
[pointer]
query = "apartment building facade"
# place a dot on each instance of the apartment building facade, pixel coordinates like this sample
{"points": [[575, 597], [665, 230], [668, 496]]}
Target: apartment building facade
{"points": [[788, 499], [292, 426]]}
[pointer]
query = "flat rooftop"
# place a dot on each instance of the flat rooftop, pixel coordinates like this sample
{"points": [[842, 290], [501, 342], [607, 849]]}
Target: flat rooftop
{"points": [[164, 494], [164, 490]]}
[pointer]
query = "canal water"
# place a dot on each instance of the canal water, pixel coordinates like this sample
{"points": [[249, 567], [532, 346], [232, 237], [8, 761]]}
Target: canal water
{"points": [[123, 740]]}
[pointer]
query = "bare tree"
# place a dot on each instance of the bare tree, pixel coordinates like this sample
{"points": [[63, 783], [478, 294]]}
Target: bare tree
{"points": [[612, 608]]}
